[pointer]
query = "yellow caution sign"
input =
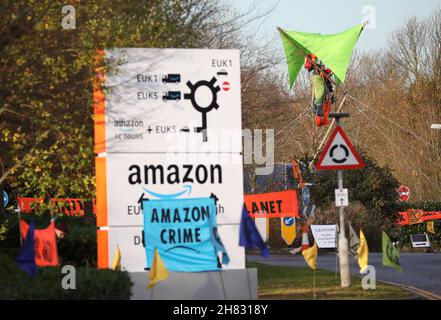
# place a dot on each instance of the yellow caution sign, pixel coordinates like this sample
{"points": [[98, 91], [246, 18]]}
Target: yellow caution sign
{"points": [[288, 229]]}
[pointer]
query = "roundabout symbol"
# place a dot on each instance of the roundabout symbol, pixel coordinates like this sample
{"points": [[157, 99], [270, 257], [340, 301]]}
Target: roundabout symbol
{"points": [[339, 160], [203, 110]]}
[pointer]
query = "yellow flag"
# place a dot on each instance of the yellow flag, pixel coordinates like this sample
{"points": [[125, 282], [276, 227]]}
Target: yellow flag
{"points": [[116, 265], [158, 272], [363, 253], [431, 226], [310, 256]]}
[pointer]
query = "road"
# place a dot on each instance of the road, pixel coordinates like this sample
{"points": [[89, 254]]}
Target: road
{"points": [[420, 270]]}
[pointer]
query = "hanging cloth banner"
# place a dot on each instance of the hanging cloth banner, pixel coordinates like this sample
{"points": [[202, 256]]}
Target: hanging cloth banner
{"points": [[45, 244], [262, 225], [184, 232], [288, 229], [273, 204], [415, 216]]}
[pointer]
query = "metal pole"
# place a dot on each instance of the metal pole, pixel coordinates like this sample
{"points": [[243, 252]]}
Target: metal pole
{"points": [[328, 131], [2, 203], [345, 272]]}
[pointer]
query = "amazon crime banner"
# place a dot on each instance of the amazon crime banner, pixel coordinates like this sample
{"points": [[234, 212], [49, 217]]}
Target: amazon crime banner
{"points": [[45, 245], [273, 204], [182, 231]]}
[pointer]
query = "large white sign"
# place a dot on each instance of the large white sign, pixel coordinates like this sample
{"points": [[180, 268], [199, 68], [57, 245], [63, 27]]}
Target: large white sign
{"points": [[173, 100], [133, 257], [165, 176], [173, 129], [325, 235]]}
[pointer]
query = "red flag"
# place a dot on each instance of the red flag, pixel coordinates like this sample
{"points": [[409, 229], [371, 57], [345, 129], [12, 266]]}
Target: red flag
{"points": [[45, 245]]}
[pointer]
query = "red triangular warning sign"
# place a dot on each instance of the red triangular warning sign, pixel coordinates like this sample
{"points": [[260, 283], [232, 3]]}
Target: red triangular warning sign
{"points": [[339, 153]]}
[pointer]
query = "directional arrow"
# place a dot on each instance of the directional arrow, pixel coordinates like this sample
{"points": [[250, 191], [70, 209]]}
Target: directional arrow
{"points": [[141, 200], [214, 197]]}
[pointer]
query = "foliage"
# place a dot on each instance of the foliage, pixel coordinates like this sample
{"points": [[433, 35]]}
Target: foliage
{"points": [[277, 282], [374, 186], [77, 247], [403, 233], [46, 76], [90, 283]]}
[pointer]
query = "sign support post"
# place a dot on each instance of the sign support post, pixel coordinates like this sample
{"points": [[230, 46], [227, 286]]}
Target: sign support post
{"points": [[343, 245], [339, 154]]}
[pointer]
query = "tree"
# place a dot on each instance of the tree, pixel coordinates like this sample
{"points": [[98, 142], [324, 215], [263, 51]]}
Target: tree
{"points": [[46, 76]]}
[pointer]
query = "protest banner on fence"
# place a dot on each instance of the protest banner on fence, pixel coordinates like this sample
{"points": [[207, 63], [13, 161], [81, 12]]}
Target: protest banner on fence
{"points": [[415, 216], [273, 204]]}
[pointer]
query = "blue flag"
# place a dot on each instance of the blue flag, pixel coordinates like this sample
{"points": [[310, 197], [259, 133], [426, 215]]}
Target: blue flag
{"points": [[219, 246], [26, 259], [184, 231], [249, 236]]}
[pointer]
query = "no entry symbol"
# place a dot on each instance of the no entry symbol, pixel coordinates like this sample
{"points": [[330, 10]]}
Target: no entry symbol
{"points": [[226, 86]]}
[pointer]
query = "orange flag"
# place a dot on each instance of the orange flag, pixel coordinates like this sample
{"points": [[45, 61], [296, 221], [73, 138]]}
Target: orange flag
{"points": [[297, 173], [45, 245]]}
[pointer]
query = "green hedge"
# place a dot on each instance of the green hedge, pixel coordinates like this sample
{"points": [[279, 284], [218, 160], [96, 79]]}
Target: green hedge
{"points": [[91, 283], [406, 231], [78, 247], [423, 205]]}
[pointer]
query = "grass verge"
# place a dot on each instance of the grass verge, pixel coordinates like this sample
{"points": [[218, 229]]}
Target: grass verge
{"points": [[282, 283]]}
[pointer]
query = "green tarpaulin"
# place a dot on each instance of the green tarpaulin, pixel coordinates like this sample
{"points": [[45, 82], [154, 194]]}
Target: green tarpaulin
{"points": [[335, 50]]}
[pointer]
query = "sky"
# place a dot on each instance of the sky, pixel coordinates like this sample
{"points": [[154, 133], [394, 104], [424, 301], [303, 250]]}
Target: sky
{"points": [[332, 16]]}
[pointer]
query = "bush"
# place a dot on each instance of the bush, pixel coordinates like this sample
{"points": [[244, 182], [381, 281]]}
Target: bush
{"points": [[91, 283], [404, 232], [78, 247]]}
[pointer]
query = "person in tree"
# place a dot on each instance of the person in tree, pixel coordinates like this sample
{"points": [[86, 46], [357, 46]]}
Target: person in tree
{"points": [[322, 90]]}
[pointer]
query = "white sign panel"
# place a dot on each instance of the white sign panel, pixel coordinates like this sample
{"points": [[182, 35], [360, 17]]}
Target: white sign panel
{"points": [[133, 257], [420, 240], [341, 198], [173, 100], [166, 176], [262, 227], [325, 235]]}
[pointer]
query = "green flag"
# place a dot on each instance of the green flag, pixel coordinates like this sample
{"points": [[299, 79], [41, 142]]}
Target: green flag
{"points": [[354, 241], [335, 50], [390, 254]]}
